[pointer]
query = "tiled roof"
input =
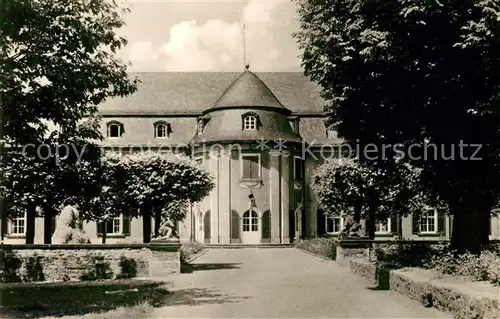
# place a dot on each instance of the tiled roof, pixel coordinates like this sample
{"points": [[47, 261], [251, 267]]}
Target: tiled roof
{"points": [[193, 92]]}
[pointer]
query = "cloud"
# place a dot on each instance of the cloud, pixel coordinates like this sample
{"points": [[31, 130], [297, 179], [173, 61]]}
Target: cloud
{"points": [[217, 45], [141, 54]]}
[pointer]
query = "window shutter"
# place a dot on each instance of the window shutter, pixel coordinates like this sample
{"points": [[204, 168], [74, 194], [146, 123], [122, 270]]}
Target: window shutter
{"points": [[321, 222], [126, 225], [490, 226], [394, 225], [441, 219], [5, 223], [415, 223], [53, 224], [100, 228]]}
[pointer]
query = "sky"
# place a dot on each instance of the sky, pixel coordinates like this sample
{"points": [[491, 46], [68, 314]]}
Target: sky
{"points": [[204, 35]]}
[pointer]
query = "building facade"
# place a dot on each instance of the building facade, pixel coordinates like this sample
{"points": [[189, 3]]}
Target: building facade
{"points": [[261, 137]]}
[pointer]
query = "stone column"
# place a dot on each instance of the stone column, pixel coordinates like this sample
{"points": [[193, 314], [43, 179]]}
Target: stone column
{"points": [[225, 196], [274, 195], [214, 199], [285, 197]]}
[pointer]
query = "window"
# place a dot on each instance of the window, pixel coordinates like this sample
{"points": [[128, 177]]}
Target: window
{"points": [[199, 160], [18, 226], [297, 168], [250, 123], [250, 221], [334, 225], [162, 129], [383, 227], [115, 129], [428, 222], [116, 226], [250, 166], [201, 126]]}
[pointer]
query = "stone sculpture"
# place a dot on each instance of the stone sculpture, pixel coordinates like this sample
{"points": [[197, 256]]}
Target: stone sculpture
{"points": [[352, 229], [68, 228], [167, 230]]}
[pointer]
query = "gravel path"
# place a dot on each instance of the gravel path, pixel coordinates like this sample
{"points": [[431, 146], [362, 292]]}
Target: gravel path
{"points": [[280, 283]]}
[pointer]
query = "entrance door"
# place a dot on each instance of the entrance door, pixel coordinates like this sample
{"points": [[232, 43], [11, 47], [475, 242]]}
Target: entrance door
{"points": [[251, 229]]}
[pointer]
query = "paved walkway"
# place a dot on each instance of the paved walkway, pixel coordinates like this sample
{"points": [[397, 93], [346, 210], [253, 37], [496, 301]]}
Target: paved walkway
{"points": [[280, 283]]}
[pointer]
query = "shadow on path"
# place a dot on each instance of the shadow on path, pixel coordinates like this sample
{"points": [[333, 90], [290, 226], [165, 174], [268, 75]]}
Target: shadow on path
{"points": [[198, 296], [63, 299], [190, 268]]}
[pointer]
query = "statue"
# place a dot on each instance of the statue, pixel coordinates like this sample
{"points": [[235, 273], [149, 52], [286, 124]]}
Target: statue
{"points": [[352, 229], [167, 229], [69, 228]]}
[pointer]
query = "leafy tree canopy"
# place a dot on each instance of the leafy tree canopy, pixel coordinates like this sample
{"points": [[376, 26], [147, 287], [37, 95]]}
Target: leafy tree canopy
{"points": [[414, 72], [57, 64], [147, 182]]}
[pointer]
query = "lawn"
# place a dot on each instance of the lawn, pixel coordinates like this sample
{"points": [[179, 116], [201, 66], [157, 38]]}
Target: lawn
{"points": [[112, 299]]}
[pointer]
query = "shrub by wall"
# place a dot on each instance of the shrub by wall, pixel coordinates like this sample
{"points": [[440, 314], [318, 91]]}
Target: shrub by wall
{"points": [[324, 247], [28, 263]]}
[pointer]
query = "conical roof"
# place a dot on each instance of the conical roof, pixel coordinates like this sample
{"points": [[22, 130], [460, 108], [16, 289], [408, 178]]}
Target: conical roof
{"points": [[248, 91]]}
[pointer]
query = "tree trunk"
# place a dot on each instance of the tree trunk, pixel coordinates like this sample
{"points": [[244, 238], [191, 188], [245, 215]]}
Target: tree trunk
{"points": [[104, 231], [146, 227], [357, 213], [157, 224], [47, 225], [30, 225], [370, 222], [470, 228]]}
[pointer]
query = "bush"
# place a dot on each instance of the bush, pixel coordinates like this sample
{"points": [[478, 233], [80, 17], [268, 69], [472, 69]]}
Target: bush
{"points": [[485, 267], [188, 250], [99, 270], [325, 247], [402, 255], [128, 268]]}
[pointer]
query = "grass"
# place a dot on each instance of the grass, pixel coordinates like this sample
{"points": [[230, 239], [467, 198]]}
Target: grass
{"points": [[116, 299]]}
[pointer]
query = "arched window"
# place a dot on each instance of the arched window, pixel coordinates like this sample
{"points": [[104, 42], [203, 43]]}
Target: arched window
{"points": [[250, 221], [162, 129], [249, 123], [115, 129]]}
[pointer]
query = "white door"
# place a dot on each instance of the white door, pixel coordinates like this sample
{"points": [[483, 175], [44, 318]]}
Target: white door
{"points": [[251, 228]]}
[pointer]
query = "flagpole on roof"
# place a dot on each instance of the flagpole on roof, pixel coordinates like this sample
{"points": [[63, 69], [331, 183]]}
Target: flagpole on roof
{"points": [[245, 48]]}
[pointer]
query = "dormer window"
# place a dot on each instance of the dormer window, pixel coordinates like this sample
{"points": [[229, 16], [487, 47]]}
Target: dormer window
{"points": [[115, 129], [202, 122], [250, 121], [162, 129], [201, 126], [294, 123]]}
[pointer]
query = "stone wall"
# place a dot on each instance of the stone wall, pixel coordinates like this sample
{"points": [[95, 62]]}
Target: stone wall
{"points": [[464, 299], [75, 262]]}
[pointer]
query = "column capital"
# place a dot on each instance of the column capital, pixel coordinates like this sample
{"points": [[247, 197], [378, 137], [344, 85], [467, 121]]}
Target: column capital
{"points": [[285, 153]]}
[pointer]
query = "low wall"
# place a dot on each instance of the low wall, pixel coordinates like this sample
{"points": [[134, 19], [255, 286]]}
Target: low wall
{"points": [[464, 299], [81, 262]]}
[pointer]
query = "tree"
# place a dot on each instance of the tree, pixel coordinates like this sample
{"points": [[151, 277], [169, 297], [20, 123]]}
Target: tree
{"points": [[57, 65], [343, 185], [149, 185], [415, 77]]}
